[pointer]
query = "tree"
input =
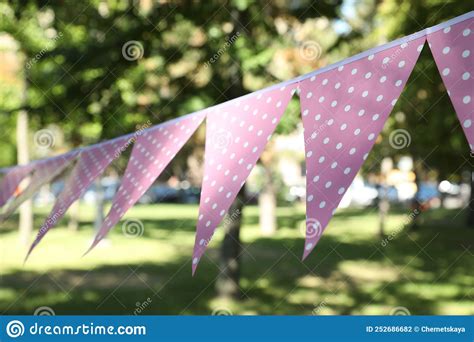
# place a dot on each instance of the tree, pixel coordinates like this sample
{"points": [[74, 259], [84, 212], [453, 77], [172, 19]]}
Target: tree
{"points": [[101, 68], [424, 105], [25, 224]]}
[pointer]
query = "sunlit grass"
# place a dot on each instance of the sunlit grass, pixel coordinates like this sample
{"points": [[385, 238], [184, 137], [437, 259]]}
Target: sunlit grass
{"points": [[428, 271]]}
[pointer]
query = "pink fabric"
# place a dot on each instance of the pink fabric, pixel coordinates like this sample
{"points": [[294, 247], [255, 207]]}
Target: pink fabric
{"points": [[152, 152], [344, 108], [44, 172], [236, 135], [343, 112], [453, 51], [11, 181], [92, 163]]}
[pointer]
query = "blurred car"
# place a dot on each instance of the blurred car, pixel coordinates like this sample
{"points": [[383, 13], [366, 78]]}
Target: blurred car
{"points": [[427, 191], [454, 196], [190, 195], [359, 194], [160, 194], [57, 187], [108, 186], [296, 193], [390, 192]]}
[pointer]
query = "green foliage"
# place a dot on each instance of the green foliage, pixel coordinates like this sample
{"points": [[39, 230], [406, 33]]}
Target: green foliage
{"points": [[349, 272], [196, 55], [424, 108], [77, 75]]}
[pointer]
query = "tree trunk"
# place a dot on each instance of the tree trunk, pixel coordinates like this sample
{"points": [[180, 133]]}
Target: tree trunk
{"points": [[25, 224], [43, 194], [267, 198], [416, 203], [227, 284], [385, 168], [267, 206], [73, 223], [383, 210]]}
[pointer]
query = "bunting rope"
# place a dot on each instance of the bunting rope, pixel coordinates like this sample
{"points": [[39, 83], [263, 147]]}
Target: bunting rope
{"points": [[344, 107]]}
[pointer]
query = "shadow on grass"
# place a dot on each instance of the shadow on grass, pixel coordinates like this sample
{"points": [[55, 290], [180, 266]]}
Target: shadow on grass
{"points": [[418, 270]]}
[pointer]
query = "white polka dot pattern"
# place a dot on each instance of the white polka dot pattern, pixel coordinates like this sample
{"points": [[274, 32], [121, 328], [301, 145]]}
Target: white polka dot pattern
{"points": [[453, 51], [44, 171], [236, 135], [338, 137], [91, 164], [152, 152], [343, 112]]}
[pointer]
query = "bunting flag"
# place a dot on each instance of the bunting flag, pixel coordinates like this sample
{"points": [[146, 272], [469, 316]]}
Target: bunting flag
{"points": [[344, 107], [343, 112], [44, 172], [152, 152], [12, 180], [91, 164], [236, 134], [453, 52]]}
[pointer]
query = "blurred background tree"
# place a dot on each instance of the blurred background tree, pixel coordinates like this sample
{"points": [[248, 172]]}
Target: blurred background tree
{"points": [[77, 71], [424, 109], [68, 66]]}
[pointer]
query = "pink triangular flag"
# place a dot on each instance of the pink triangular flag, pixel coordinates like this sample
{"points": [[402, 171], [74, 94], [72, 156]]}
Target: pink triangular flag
{"points": [[91, 164], [453, 51], [152, 152], [11, 181], [44, 171], [236, 135], [344, 110]]}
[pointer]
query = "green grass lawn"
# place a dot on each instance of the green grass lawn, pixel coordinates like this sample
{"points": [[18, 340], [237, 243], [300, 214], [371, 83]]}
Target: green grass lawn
{"points": [[427, 271]]}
